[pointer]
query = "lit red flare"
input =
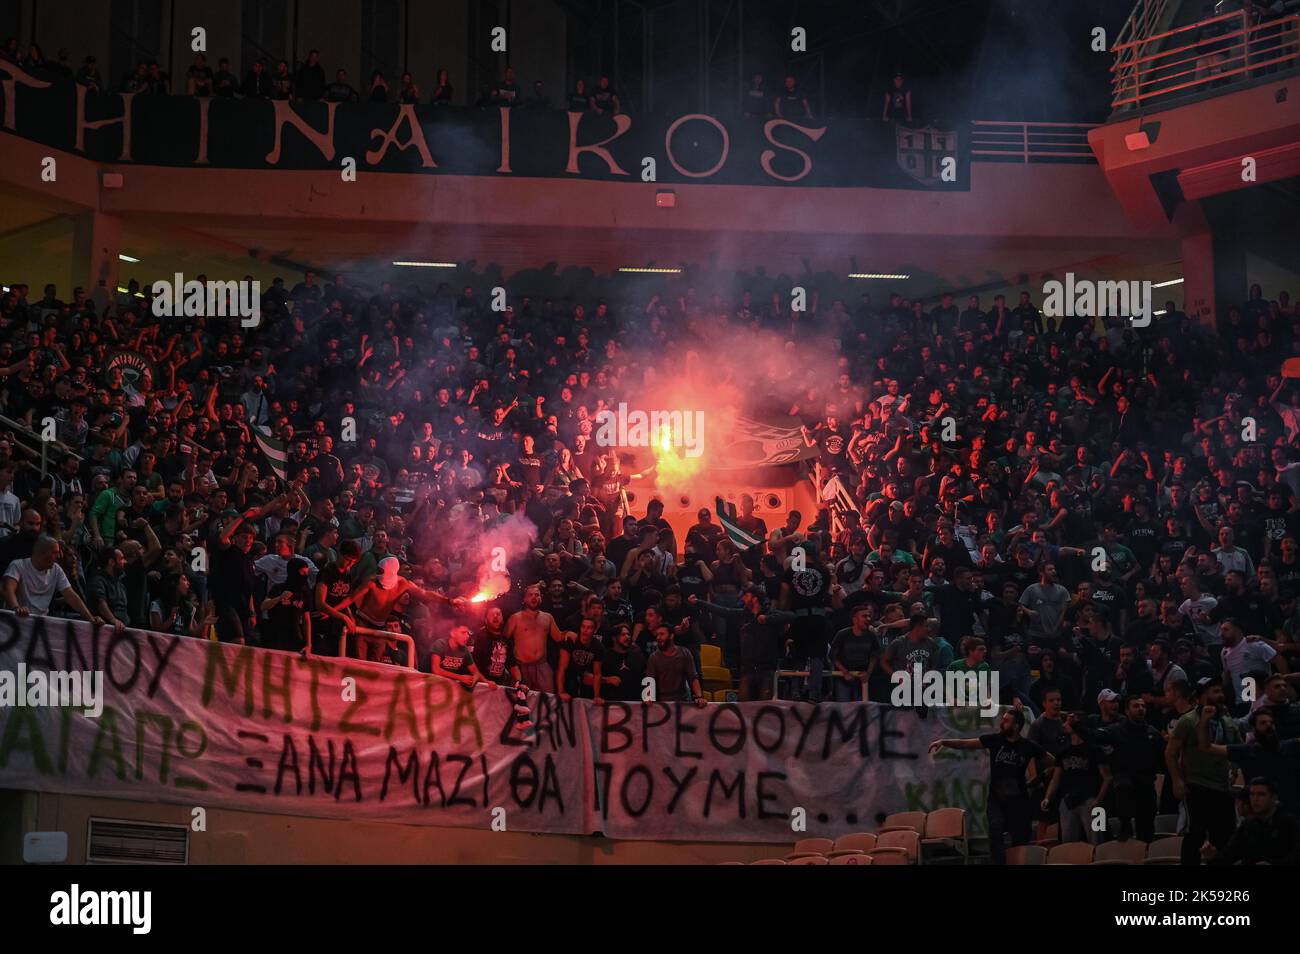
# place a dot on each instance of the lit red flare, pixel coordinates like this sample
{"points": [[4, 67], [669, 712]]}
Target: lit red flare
{"points": [[490, 587]]}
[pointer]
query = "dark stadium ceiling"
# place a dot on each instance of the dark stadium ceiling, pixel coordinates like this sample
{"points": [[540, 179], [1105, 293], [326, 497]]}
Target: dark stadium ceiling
{"points": [[998, 59]]}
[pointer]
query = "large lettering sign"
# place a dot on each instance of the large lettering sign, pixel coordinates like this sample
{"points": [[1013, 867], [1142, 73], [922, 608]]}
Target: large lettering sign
{"points": [[690, 148], [203, 724], [760, 768]]}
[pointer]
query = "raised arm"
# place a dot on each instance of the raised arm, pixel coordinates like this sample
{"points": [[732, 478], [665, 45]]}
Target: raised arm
{"points": [[967, 745]]}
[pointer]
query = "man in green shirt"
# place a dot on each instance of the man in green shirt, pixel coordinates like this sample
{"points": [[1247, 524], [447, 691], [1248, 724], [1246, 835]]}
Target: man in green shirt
{"points": [[973, 651], [104, 511], [1202, 782], [1122, 562]]}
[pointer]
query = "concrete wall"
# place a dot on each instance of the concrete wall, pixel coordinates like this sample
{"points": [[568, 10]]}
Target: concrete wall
{"points": [[222, 23], [254, 838], [437, 41], [83, 26], [536, 49], [1240, 123], [334, 28]]}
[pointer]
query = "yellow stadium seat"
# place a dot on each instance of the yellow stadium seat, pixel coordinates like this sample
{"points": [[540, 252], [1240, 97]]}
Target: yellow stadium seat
{"points": [[715, 677], [710, 656]]}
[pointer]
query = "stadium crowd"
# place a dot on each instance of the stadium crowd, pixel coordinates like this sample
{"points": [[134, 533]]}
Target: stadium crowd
{"points": [[1106, 516]]}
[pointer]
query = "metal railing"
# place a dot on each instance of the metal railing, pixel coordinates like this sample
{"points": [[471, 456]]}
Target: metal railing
{"points": [[995, 141], [1202, 55], [1136, 37], [378, 635]]}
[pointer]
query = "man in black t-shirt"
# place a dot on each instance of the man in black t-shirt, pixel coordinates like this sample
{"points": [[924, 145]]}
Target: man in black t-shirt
{"points": [[959, 605], [340, 91], [309, 83], [506, 93], [199, 77], [807, 593], [855, 654], [231, 581], [333, 586], [224, 82], [287, 611], [755, 101], [604, 99], [622, 667], [494, 652], [1082, 779], [580, 661], [1010, 755], [1277, 522]]}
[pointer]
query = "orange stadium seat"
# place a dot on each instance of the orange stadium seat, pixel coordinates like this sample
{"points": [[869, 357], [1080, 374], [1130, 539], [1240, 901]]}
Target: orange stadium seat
{"points": [[1071, 853], [1027, 855], [905, 838], [810, 846], [1163, 849], [913, 821], [888, 856], [1120, 853], [862, 841], [945, 829]]}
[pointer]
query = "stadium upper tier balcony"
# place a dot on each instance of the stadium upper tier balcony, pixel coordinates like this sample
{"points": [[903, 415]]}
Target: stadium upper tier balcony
{"points": [[1202, 108], [1158, 63]]}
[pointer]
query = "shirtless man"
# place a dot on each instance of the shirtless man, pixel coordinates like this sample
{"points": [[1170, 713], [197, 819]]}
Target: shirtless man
{"points": [[376, 599], [529, 629]]}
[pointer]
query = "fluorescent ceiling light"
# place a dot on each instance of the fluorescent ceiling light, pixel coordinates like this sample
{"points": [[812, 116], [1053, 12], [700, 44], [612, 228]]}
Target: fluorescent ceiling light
{"points": [[877, 275], [1172, 281], [426, 264], [651, 271], [1158, 313], [127, 258]]}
